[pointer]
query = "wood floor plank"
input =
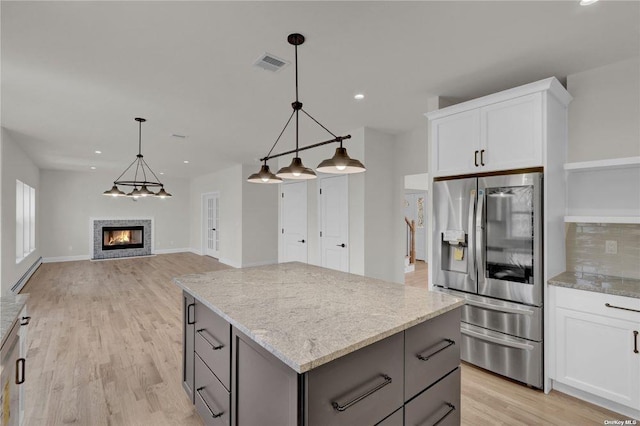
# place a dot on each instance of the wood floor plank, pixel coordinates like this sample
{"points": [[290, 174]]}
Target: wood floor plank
{"points": [[105, 348]]}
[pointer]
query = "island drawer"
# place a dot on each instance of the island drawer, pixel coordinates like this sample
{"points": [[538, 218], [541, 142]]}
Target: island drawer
{"points": [[439, 404], [432, 349], [211, 398], [396, 419], [360, 388], [212, 342]]}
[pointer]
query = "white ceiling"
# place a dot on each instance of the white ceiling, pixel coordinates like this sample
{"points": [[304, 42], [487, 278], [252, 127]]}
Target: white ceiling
{"points": [[75, 74]]}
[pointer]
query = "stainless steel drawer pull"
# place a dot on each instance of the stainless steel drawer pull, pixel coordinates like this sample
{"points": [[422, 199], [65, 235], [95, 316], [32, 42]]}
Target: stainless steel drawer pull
{"points": [[426, 357], [338, 407], [501, 309], [608, 305], [214, 346], [452, 408], [499, 341], [206, 404]]}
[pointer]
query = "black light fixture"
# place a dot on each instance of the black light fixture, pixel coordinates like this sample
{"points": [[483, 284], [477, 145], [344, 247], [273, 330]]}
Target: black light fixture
{"points": [[141, 167], [340, 163]]}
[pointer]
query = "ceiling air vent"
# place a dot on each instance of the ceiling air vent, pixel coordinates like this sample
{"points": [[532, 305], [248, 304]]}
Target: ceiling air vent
{"points": [[270, 62]]}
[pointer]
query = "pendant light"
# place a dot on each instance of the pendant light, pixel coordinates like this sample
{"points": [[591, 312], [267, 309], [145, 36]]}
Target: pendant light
{"points": [[142, 168], [264, 176], [340, 163]]}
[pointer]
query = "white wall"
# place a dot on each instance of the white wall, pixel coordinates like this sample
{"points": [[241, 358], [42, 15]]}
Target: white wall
{"points": [[70, 199], [380, 209], [228, 183], [604, 116], [16, 164], [259, 221]]}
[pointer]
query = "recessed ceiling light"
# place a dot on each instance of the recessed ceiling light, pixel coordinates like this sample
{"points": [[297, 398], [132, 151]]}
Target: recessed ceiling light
{"points": [[98, 152], [186, 161], [161, 173], [93, 167], [587, 2], [359, 97]]}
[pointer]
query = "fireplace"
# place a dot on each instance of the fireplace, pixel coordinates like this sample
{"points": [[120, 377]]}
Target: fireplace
{"points": [[122, 237], [112, 238]]}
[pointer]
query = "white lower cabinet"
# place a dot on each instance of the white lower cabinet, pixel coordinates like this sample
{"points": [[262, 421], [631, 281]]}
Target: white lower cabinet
{"points": [[597, 344]]}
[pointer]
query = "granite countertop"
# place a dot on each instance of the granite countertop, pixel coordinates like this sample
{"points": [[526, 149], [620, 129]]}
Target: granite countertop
{"points": [[307, 315], [10, 307], [618, 286]]}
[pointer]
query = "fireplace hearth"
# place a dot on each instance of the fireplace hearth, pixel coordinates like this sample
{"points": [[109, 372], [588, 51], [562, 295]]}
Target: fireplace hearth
{"points": [[122, 237]]}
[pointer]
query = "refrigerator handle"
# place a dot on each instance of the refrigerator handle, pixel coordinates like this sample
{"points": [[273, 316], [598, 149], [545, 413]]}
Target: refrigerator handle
{"points": [[471, 244], [479, 237]]}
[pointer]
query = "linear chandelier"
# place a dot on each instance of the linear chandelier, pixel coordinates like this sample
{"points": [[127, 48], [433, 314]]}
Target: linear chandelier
{"points": [[340, 163], [142, 168]]}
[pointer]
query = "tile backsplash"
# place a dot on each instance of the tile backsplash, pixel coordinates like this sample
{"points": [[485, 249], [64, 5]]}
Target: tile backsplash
{"points": [[586, 249]]}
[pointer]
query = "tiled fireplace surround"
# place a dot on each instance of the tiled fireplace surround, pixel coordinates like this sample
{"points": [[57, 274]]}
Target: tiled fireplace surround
{"points": [[98, 224]]}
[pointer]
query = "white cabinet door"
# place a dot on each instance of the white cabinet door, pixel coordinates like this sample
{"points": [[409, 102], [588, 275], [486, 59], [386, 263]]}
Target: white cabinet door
{"points": [[511, 134], [456, 141], [596, 354]]}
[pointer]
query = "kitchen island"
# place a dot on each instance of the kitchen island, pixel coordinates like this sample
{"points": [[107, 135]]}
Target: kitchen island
{"points": [[295, 344]]}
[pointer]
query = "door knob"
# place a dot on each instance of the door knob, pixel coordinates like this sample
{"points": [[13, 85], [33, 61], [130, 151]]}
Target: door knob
{"points": [[213, 229], [301, 241], [343, 245]]}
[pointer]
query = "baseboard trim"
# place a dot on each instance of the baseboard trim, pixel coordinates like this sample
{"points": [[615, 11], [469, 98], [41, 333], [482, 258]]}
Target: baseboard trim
{"points": [[195, 251], [249, 265], [229, 262], [65, 258], [25, 277], [597, 400], [172, 250]]}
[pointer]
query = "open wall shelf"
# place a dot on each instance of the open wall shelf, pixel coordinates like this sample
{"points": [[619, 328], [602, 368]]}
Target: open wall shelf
{"points": [[602, 219], [612, 163]]}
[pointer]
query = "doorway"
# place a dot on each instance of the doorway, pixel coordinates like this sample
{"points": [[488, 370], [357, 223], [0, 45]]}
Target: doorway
{"points": [[416, 210], [293, 230], [211, 224], [333, 205]]}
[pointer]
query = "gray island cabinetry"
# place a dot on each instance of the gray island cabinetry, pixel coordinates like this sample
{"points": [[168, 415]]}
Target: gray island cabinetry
{"points": [[294, 344]]}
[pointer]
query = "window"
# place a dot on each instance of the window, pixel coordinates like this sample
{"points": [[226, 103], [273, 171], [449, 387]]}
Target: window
{"points": [[25, 220]]}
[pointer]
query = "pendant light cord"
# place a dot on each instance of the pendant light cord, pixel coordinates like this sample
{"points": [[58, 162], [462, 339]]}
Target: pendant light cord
{"points": [[279, 136], [297, 110]]}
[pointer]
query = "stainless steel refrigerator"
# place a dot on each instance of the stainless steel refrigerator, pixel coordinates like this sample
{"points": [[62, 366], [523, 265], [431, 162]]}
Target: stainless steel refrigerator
{"points": [[487, 248]]}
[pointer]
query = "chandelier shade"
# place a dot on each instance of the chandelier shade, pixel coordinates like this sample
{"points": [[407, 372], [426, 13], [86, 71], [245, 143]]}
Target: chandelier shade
{"points": [[143, 171], [340, 163], [264, 176]]}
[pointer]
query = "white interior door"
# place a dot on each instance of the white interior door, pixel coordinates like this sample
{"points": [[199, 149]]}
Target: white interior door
{"points": [[334, 223], [211, 214], [293, 233]]}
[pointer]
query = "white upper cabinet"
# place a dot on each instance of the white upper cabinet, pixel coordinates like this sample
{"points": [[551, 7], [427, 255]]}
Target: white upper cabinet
{"points": [[503, 131], [511, 134], [457, 138]]}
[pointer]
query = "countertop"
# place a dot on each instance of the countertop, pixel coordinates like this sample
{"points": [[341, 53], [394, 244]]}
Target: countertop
{"points": [[307, 315], [10, 307], [618, 286]]}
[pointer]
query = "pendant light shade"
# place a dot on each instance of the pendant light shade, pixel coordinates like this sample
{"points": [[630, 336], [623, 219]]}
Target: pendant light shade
{"points": [[264, 176], [163, 194], [341, 163], [296, 170], [114, 192], [141, 178]]}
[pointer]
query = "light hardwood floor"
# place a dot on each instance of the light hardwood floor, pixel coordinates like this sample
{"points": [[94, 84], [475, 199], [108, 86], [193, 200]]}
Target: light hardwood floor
{"points": [[105, 348]]}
